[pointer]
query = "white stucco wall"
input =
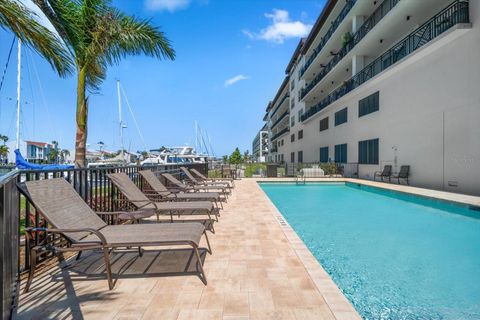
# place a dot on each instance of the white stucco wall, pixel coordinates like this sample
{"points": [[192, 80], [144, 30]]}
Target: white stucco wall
{"points": [[429, 112]]}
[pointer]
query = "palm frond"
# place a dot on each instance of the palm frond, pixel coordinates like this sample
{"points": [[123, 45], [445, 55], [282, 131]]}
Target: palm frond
{"points": [[22, 22]]}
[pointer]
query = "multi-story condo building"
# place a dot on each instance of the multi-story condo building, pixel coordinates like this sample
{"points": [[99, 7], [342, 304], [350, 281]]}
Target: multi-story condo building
{"points": [[260, 145], [392, 82]]}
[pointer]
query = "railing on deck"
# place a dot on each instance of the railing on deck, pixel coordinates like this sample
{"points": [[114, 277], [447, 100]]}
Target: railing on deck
{"points": [[454, 14], [372, 20], [17, 213], [328, 34]]}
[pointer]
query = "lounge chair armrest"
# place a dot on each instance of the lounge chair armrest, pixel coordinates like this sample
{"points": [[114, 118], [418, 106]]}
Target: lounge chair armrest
{"points": [[100, 236]]}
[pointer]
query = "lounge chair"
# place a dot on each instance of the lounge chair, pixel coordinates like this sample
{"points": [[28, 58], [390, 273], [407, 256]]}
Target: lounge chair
{"points": [[160, 206], [194, 181], [157, 186], [403, 174], [70, 216], [386, 173], [194, 188], [204, 178]]}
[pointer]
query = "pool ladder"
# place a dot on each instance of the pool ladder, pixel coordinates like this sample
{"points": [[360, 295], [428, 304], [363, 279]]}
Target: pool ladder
{"points": [[300, 179]]}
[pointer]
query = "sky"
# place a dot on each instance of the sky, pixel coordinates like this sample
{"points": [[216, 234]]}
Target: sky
{"points": [[230, 60]]}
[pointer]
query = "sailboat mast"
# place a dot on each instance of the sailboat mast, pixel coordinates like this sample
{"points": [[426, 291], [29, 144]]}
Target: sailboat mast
{"points": [[19, 68], [120, 119]]}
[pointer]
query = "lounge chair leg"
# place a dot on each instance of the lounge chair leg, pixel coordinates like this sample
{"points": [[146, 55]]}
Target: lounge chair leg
{"points": [[208, 242], [140, 251], [78, 255], [31, 273], [199, 261], [106, 257]]}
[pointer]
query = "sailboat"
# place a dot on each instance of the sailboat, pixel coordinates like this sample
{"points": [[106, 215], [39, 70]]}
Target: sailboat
{"points": [[20, 162]]}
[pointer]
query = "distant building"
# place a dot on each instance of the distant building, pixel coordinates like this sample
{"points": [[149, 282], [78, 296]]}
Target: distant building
{"points": [[38, 152], [32, 151], [260, 145]]}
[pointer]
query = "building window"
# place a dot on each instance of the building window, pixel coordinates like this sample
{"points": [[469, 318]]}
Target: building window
{"points": [[300, 134], [292, 157], [292, 103], [341, 153], [300, 156], [369, 104], [292, 85], [341, 116], [300, 113], [368, 151], [292, 138], [292, 121], [324, 124], [324, 154]]}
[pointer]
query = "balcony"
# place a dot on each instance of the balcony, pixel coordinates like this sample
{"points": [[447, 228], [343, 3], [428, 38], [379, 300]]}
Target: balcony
{"points": [[368, 25], [287, 95], [455, 13], [281, 133], [346, 9], [280, 118]]}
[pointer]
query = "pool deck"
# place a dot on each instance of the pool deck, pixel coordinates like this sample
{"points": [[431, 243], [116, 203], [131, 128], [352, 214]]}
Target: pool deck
{"points": [[259, 269]]}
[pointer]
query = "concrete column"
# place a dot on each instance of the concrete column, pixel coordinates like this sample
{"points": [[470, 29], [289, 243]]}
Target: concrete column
{"points": [[357, 22], [358, 63]]}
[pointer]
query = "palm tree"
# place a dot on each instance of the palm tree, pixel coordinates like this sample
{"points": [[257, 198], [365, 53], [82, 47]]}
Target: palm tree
{"points": [[3, 138], [3, 153], [64, 154], [22, 22], [98, 36]]}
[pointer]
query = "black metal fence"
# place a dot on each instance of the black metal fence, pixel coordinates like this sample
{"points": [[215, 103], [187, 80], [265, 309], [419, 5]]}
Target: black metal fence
{"points": [[347, 170], [16, 213], [9, 242]]}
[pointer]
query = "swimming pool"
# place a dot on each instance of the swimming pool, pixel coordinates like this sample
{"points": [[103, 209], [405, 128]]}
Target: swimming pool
{"points": [[394, 256]]}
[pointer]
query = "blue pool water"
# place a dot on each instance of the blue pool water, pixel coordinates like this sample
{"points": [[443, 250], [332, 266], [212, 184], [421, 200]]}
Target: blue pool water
{"points": [[393, 256]]}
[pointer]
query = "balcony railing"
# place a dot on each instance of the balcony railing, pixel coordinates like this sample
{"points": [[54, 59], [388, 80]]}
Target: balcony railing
{"points": [[280, 118], [368, 25], [328, 34], [455, 13], [280, 104], [282, 132]]}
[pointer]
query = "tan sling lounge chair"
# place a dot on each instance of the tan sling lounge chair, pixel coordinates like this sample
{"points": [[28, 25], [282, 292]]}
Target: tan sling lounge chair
{"points": [[195, 181], [193, 188], [68, 214], [204, 178], [157, 186], [140, 200]]}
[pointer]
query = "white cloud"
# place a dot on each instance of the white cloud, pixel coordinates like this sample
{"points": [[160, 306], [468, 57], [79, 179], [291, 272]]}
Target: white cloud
{"points": [[234, 80], [167, 5], [281, 28]]}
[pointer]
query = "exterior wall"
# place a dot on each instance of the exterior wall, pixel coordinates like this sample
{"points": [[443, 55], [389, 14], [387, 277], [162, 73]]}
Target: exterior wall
{"points": [[428, 117]]}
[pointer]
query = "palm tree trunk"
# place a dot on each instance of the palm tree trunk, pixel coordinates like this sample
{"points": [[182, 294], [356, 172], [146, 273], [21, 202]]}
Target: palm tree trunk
{"points": [[82, 115]]}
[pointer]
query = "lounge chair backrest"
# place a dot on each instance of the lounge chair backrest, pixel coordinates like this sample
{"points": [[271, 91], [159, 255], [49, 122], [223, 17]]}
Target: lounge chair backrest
{"points": [[189, 175], [130, 190], [58, 202], [199, 174], [387, 170], [404, 172], [153, 181], [174, 180]]}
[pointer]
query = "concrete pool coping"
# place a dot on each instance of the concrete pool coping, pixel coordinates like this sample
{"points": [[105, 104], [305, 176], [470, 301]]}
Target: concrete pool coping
{"points": [[458, 198], [335, 299]]}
